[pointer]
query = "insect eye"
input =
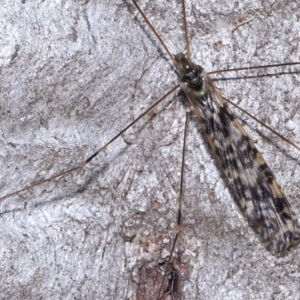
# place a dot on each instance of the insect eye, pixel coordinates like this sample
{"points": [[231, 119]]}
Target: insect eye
{"points": [[187, 68]]}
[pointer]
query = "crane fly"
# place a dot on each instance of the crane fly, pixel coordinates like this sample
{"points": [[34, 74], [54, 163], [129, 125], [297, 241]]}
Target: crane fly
{"points": [[102, 230]]}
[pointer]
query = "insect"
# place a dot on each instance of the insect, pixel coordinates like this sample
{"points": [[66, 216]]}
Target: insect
{"points": [[86, 218]]}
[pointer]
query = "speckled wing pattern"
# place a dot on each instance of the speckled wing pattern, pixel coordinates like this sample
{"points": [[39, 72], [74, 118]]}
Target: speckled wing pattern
{"points": [[253, 184]]}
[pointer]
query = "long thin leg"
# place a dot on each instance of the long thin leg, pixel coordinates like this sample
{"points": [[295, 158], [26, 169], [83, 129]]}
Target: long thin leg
{"points": [[179, 203]]}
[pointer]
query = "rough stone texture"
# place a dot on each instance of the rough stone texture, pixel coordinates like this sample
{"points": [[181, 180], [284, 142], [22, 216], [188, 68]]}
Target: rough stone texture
{"points": [[73, 74]]}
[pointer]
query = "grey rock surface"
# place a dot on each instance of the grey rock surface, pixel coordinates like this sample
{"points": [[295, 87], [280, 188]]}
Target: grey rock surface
{"points": [[73, 74]]}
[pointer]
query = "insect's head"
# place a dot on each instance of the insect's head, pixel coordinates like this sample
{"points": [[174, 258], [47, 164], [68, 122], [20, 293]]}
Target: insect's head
{"points": [[188, 71]]}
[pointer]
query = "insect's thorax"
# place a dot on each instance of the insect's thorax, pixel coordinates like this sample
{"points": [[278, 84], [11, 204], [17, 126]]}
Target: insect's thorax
{"points": [[191, 74]]}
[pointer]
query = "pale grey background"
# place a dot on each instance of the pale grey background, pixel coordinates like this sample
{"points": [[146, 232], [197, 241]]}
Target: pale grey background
{"points": [[74, 73]]}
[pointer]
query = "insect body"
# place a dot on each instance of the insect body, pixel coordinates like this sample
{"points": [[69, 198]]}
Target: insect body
{"points": [[252, 182]]}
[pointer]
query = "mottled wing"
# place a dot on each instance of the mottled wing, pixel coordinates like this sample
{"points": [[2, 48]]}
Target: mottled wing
{"points": [[252, 182]]}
